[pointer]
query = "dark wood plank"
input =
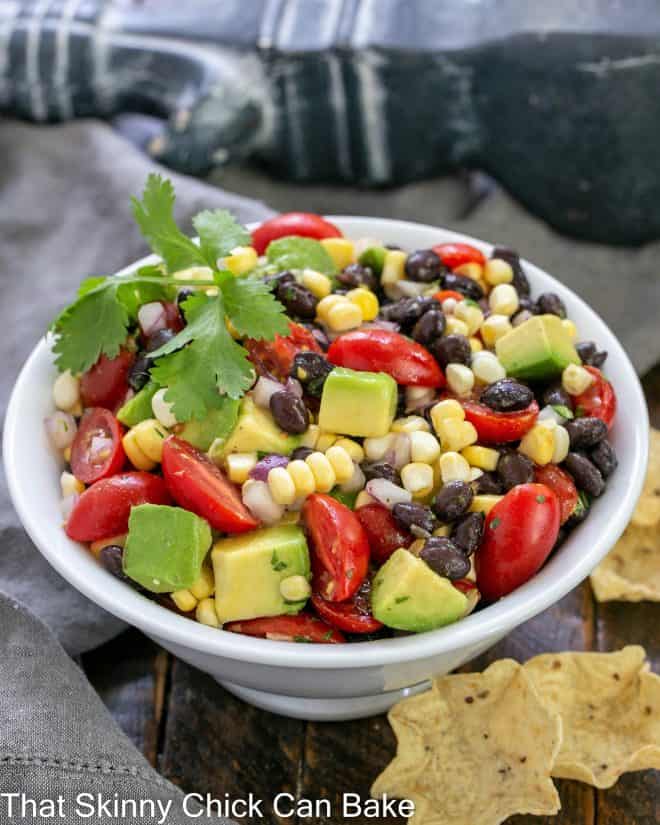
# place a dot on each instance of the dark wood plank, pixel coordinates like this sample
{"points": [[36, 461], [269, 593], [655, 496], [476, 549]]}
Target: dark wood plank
{"points": [[215, 744], [129, 673]]}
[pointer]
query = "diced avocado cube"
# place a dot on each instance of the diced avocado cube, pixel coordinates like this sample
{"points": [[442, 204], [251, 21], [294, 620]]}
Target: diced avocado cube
{"points": [[138, 408], [218, 423], [537, 350], [166, 547], [257, 432], [408, 595], [374, 258], [249, 569], [358, 403]]}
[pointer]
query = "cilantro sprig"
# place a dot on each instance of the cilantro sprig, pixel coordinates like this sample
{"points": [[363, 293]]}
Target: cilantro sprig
{"points": [[202, 365]]}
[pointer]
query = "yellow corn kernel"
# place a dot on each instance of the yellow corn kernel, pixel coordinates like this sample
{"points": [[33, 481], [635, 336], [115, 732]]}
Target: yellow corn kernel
{"points": [[341, 250], [66, 454], [376, 447], [487, 368], [562, 444], [194, 273], [344, 316], [317, 283], [239, 466], [310, 436], [570, 328], [470, 313], [455, 434], [324, 475], [484, 504], [455, 326], [410, 424], [206, 613], [70, 485], [149, 436], [325, 441], [394, 267], [424, 447], [184, 600], [135, 455], [417, 478], [326, 304], [453, 467], [295, 589], [281, 486], [476, 345], [538, 444], [302, 477], [575, 380], [366, 300], [99, 544], [503, 300], [341, 463], [204, 586], [460, 379], [494, 327], [66, 391], [450, 408], [363, 498], [243, 259], [417, 546], [475, 473], [442, 530], [471, 269], [352, 448], [498, 272], [482, 457]]}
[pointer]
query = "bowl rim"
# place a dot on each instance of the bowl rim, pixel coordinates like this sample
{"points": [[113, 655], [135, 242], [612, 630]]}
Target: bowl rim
{"points": [[527, 601]]}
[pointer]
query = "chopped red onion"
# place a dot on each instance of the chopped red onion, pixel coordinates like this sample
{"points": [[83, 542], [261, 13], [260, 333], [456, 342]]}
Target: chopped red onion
{"points": [[418, 397], [401, 450], [100, 448], [355, 483], [261, 469], [61, 429], [152, 318], [387, 493], [67, 504], [294, 387], [381, 324], [258, 500], [264, 389], [410, 289]]}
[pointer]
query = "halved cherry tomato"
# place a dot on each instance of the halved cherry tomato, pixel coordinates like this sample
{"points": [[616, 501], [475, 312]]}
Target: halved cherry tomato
{"points": [[383, 533], [496, 427], [561, 484], [106, 383], [300, 628], [448, 293], [276, 357], [519, 534], [352, 617], [97, 451], [305, 224], [339, 547], [379, 350], [598, 400], [464, 585], [103, 509], [456, 254], [196, 484]]}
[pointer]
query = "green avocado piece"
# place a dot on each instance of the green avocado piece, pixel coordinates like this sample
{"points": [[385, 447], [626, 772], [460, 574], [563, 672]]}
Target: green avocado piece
{"points": [[537, 350], [257, 432], [166, 547], [138, 408], [249, 569], [218, 423], [408, 595], [373, 257], [358, 403], [347, 499]]}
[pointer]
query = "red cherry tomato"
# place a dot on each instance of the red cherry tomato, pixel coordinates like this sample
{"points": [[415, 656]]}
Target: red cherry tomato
{"points": [[300, 628], [456, 254], [598, 400], [464, 585], [448, 293], [562, 486], [383, 533], [339, 547], [196, 484], [520, 532], [103, 509], [276, 357], [97, 451], [106, 383], [304, 224], [496, 427], [379, 350], [351, 617]]}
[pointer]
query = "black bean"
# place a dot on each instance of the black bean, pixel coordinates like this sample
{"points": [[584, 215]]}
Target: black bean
{"points": [[183, 295], [520, 281], [488, 484], [429, 327], [301, 453], [445, 558], [556, 395], [407, 311], [158, 339], [585, 432], [139, 373], [297, 299], [320, 336], [281, 278], [507, 395], [525, 302], [289, 412], [311, 369], [452, 349], [111, 557], [590, 354], [586, 475], [468, 532], [461, 283], [355, 275], [515, 468], [381, 469], [604, 457], [424, 265], [409, 515], [549, 303], [453, 501]]}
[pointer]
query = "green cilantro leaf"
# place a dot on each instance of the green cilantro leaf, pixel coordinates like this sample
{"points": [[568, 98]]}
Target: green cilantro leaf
{"points": [[253, 309], [276, 563], [219, 232], [134, 290], [292, 252]]}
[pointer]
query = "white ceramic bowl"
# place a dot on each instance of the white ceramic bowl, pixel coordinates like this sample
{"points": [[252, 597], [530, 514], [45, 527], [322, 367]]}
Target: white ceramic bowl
{"points": [[330, 682]]}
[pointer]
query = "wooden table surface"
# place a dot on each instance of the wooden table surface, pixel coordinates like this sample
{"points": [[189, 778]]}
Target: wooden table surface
{"points": [[205, 740]]}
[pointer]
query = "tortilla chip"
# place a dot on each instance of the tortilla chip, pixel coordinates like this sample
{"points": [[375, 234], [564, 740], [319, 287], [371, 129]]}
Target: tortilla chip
{"points": [[610, 708], [475, 749], [631, 572], [647, 511]]}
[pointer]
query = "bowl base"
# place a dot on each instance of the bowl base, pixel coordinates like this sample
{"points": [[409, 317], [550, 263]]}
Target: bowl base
{"points": [[323, 710]]}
